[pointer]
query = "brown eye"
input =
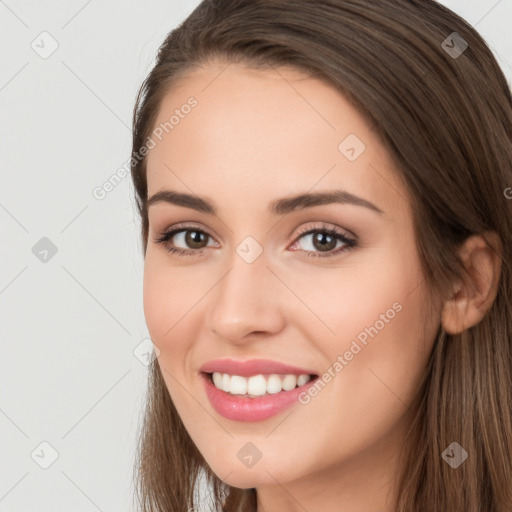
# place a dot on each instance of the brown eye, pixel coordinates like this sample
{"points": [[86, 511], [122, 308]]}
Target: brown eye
{"points": [[194, 238], [323, 241], [186, 240], [190, 241]]}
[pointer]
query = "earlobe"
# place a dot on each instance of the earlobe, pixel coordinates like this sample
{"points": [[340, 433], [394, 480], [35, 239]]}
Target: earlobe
{"points": [[454, 312], [472, 298]]}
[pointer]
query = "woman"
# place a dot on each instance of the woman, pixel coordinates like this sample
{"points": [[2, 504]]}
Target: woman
{"points": [[324, 190]]}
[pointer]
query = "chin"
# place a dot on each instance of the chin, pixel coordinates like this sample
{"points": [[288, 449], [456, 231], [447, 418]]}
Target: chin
{"points": [[246, 479], [260, 474]]}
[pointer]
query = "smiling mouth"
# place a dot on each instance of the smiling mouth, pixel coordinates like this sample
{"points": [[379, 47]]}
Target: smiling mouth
{"points": [[258, 385]]}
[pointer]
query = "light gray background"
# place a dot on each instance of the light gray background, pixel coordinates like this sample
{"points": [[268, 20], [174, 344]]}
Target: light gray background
{"points": [[72, 370]]}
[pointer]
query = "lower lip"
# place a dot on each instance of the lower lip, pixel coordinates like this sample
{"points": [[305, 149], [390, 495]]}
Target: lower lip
{"points": [[240, 408]]}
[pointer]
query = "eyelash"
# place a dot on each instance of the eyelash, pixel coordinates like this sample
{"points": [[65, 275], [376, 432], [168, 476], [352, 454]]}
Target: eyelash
{"points": [[350, 243]]}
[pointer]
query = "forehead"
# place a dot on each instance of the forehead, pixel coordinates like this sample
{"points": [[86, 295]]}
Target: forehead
{"points": [[267, 132]]}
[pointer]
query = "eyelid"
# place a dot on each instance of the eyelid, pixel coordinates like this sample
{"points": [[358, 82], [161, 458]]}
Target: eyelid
{"points": [[321, 225], [170, 232], [350, 239], [326, 226], [185, 226]]}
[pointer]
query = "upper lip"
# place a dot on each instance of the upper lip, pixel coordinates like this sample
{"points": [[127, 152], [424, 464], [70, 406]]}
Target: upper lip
{"points": [[252, 367]]}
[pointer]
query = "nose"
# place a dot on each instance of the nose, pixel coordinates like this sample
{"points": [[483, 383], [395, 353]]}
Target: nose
{"points": [[247, 303]]}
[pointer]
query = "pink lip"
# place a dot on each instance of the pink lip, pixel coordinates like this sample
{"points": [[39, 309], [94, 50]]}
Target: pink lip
{"points": [[252, 367], [245, 408]]}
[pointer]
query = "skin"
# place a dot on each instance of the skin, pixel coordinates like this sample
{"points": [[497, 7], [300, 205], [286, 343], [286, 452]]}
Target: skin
{"points": [[256, 136]]}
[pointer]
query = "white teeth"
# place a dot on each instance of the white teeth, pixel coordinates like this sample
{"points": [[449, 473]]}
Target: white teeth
{"points": [[258, 385], [225, 382], [238, 385], [217, 380], [302, 380], [289, 382], [274, 384]]}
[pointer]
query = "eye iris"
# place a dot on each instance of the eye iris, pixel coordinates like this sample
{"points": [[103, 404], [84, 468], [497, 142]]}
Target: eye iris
{"points": [[195, 237], [320, 238]]}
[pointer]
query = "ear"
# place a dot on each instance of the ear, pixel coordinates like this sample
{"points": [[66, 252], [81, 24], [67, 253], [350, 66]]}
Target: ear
{"points": [[474, 296]]}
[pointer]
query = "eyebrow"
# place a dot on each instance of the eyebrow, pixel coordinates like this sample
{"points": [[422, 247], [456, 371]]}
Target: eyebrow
{"points": [[277, 207]]}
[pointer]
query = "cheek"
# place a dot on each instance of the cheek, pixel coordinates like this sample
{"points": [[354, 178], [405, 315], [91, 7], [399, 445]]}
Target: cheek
{"points": [[165, 311], [376, 349], [385, 374], [155, 302], [369, 390], [174, 308], [364, 303], [166, 300]]}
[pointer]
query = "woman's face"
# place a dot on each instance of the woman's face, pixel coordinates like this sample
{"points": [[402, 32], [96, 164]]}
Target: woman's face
{"points": [[250, 286]]}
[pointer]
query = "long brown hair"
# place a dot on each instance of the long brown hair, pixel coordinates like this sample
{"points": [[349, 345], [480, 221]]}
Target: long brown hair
{"points": [[446, 120]]}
